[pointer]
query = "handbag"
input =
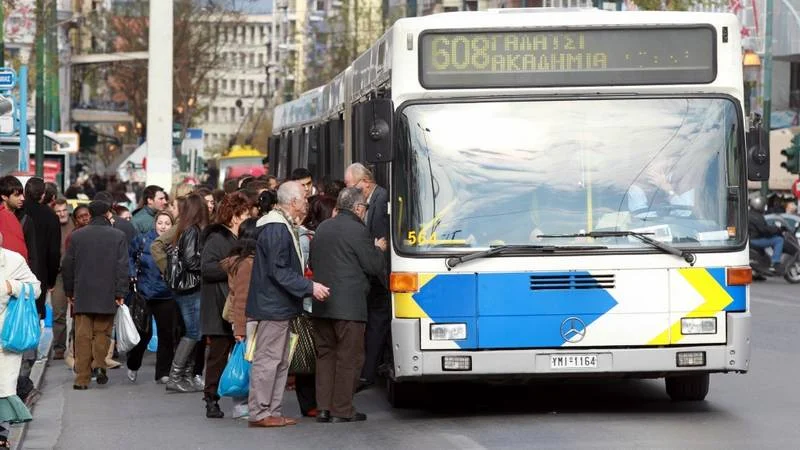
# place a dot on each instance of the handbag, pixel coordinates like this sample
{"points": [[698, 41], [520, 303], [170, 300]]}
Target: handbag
{"points": [[304, 354], [21, 330], [179, 279]]}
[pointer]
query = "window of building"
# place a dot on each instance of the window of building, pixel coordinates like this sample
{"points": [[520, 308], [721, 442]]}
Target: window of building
{"points": [[233, 115], [261, 89], [224, 85], [214, 114], [794, 86], [252, 35], [251, 87], [471, 5], [320, 5]]}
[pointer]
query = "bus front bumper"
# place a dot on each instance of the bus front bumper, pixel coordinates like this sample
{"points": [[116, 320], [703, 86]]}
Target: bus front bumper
{"points": [[412, 363]]}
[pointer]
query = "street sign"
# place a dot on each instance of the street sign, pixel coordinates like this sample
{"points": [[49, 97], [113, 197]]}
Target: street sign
{"points": [[8, 121], [8, 79], [72, 139]]}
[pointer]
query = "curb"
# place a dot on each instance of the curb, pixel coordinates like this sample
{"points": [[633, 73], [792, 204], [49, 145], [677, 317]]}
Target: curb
{"points": [[38, 370]]}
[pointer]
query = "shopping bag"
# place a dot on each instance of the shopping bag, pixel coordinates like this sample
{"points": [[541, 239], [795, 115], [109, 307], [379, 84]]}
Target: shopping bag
{"points": [[125, 330], [302, 351], [250, 348], [235, 380], [21, 330], [152, 346]]}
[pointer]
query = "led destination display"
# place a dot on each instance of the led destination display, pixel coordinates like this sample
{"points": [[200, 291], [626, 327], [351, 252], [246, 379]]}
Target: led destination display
{"points": [[528, 58]]}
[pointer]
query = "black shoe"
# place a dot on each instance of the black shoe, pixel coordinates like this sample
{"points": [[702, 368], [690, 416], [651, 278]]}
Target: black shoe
{"points": [[212, 409], [100, 375], [323, 416], [778, 269], [363, 385], [80, 387], [357, 417]]}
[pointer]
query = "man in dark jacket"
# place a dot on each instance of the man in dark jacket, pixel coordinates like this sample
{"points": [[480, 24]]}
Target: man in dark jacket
{"points": [[343, 256], [116, 221], [277, 288], [95, 273], [48, 238], [762, 234], [378, 301]]}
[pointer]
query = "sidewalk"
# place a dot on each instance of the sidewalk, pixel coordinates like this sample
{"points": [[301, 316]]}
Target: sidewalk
{"points": [[19, 431]]}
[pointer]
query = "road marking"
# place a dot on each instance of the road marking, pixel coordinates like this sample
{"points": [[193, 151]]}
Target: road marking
{"points": [[776, 302], [461, 441]]}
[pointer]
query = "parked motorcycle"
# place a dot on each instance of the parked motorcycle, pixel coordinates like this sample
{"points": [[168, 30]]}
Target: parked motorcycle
{"points": [[761, 259]]}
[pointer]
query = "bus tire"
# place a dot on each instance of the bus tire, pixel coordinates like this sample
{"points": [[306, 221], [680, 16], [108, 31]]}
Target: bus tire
{"points": [[688, 388], [402, 395]]}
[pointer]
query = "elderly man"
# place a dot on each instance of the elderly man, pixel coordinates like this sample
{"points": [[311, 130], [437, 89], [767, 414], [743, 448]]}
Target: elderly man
{"points": [[277, 289], [378, 301], [95, 273], [343, 256]]}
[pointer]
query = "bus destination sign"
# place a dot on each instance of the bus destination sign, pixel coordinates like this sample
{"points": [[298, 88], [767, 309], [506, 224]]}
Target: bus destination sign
{"points": [[575, 57]]}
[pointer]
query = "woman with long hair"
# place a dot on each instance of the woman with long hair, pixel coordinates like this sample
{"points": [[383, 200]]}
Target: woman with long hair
{"points": [[239, 266], [218, 240], [159, 299], [194, 218]]}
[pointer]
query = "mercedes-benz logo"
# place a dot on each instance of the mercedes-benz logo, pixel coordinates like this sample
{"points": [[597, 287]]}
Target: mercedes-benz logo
{"points": [[573, 329]]}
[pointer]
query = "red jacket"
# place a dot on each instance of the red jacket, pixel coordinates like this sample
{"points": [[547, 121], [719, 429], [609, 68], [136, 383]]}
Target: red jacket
{"points": [[13, 239]]}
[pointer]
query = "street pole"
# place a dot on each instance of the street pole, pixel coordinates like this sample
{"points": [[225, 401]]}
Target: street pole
{"points": [[159, 95], [767, 95], [40, 125], [54, 122], [2, 34]]}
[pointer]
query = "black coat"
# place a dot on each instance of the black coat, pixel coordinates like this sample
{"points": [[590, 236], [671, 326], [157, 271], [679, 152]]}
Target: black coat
{"points": [[95, 267], [277, 285], [377, 219], [47, 230], [343, 256], [217, 242], [759, 227]]}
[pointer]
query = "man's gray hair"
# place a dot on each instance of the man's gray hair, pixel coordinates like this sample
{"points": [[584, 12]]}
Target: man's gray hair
{"points": [[349, 198], [360, 172], [289, 191]]}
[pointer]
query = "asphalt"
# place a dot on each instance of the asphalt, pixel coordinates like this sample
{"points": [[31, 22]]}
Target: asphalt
{"points": [[756, 410]]}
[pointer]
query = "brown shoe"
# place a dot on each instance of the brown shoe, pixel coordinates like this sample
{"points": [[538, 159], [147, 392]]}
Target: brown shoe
{"points": [[272, 422]]}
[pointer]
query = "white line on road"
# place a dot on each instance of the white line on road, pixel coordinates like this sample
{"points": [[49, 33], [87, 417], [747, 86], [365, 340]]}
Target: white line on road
{"points": [[776, 302]]}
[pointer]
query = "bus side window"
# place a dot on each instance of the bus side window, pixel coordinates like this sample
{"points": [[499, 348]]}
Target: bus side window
{"points": [[294, 151], [323, 152], [358, 150], [283, 161], [337, 148], [273, 143], [313, 152]]}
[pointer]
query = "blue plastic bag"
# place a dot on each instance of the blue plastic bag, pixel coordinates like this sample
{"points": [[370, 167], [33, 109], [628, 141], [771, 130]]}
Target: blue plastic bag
{"points": [[152, 346], [235, 380], [21, 330]]}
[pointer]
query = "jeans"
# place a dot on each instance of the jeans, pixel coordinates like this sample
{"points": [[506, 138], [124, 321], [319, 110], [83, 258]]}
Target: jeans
{"points": [[189, 305], [776, 242]]}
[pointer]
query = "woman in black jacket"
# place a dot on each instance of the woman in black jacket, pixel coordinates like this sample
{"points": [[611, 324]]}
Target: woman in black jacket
{"points": [[218, 239], [193, 219]]}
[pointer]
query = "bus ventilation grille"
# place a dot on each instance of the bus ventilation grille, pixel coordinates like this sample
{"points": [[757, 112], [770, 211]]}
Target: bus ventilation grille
{"points": [[550, 282]]}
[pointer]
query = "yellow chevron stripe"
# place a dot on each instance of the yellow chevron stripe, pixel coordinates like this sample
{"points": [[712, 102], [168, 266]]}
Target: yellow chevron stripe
{"points": [[716, 298], [405, 307]]}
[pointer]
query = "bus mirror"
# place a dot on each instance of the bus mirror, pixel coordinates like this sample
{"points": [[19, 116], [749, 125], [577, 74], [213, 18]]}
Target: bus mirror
{"points": [[376, 138], [757, 141]]}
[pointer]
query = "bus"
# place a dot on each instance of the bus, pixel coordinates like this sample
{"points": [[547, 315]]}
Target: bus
{"points": [[567, 192]]}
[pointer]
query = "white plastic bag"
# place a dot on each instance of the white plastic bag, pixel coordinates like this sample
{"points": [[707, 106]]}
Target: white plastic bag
{"points": [[124, 328]]}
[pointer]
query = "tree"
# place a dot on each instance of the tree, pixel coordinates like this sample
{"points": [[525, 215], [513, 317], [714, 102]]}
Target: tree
{"points": [[197, 53], [337, 40], [660, 5]]}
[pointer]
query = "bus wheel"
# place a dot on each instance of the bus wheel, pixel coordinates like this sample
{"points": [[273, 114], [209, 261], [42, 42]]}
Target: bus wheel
{"points": [[402, 395], [688, 388]]}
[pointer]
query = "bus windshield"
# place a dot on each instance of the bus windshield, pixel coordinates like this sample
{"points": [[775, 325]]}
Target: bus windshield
{"points": [[479, 174]]}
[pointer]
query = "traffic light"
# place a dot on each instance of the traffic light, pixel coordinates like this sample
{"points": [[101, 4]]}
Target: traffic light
{"points": [[792, 154]]}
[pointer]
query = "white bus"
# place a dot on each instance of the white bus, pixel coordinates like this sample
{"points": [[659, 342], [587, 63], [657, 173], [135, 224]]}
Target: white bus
{"points": [[567, 192]]}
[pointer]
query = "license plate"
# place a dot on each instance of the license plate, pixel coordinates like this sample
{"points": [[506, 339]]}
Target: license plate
{"points": [[573, 361]]}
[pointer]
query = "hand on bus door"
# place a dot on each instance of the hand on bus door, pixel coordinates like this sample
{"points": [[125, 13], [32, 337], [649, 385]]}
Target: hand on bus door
{"points": [[381, 244]]}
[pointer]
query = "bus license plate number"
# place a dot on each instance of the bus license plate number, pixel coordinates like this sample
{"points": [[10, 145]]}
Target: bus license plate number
{"points": [[573, 361]]}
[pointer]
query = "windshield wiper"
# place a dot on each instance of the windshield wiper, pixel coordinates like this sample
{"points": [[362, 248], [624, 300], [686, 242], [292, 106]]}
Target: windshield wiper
{"points": [[496, 250], [689, 257]]}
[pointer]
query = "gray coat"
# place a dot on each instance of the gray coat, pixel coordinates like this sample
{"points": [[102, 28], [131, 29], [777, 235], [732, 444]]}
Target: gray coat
{"points": [[95, 267], [343, 255]]}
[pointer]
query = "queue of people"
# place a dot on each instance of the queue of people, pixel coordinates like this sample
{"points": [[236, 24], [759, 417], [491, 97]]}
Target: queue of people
{"points": [[256, 261]]}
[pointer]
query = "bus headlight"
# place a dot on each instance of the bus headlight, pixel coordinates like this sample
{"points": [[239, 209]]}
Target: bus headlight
{"points": [[698, 325], [448, 331]]}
